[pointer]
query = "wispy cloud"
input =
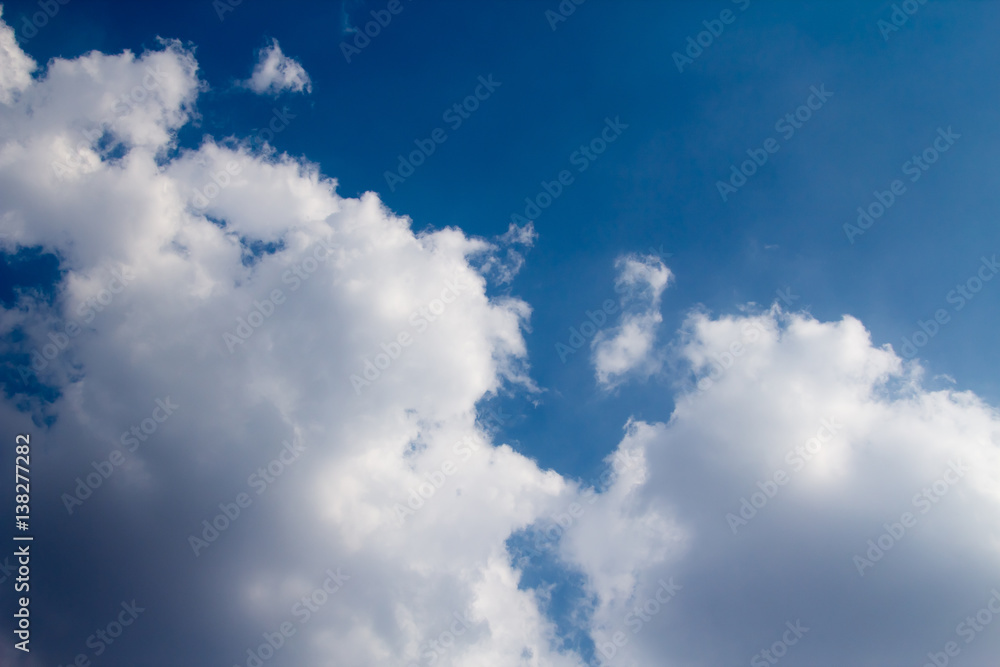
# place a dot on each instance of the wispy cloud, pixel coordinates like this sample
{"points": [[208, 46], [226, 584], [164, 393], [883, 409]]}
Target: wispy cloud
{"points": [[275, 73], [629, 347]]}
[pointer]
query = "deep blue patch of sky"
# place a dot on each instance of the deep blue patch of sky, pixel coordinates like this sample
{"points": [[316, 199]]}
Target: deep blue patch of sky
{"points": [[655, 186]]}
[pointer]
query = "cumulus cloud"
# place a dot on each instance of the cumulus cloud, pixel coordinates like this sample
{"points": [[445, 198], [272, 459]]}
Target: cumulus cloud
{"points": [[629, 347], [249, 307], [814, 481], [255, 350], [275, 73], [18, 66]]}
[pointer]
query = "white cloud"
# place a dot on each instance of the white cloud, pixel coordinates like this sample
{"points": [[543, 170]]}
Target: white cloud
{"points": [[829, 439], [410, 439], [275, 73], [15, 75], [501, 260], [163, 335], [629, 347]]}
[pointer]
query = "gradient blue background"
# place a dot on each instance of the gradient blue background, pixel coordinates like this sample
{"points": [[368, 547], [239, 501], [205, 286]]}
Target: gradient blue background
{"points": [[654, 187]]}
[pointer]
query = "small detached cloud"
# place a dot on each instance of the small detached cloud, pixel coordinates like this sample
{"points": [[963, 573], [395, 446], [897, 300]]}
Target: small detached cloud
{"points": [[630, 346], [346, 8], [276, 73], [502, 260]]}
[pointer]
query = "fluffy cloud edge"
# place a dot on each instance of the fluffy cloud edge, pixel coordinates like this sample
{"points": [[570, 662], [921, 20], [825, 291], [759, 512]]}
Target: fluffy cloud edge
{"points": [[628, 349], [275, 73]]}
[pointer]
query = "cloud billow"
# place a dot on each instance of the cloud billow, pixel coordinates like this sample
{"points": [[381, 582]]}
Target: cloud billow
{"points": [[657, 532], [276, 73]]}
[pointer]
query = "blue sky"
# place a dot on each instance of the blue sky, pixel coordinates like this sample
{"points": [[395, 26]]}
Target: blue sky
{"points": [[655, 187], [870, 98]]}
